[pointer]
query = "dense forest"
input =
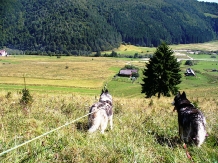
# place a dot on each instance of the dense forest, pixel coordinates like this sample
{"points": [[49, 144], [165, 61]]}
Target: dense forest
{"points": [[80, 27]]}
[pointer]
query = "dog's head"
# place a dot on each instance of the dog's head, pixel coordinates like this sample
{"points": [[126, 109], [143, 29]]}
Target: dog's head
{"points": [[105, 96], [179, 100]]}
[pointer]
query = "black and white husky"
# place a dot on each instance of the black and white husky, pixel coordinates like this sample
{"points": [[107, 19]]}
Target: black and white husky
{"points": [[100, 113], [191, 121]]}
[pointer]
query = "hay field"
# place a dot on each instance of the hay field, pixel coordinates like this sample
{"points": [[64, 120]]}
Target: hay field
{"points": [[208, 46], [131, 49], [72, 72]]}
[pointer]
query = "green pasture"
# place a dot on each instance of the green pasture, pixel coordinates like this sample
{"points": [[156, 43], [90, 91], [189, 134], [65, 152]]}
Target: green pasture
{"points": [[204, 67], [204, 57], [124, 87], [204, 78], [48, 89]]}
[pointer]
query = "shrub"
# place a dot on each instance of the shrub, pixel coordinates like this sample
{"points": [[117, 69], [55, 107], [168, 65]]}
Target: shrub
{"points": [[189, 62], [98, 54], [151, 103], [8, 95], [136, 55], [26, 97], [130, 67], [114, 54], [134, 74]]}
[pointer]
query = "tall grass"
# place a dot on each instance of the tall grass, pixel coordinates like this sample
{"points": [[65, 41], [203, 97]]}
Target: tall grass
{"points": [[145, 130]]}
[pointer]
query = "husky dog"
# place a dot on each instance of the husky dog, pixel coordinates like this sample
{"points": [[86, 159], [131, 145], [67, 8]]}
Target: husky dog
{"points": [[191, 121], [100, 113]]}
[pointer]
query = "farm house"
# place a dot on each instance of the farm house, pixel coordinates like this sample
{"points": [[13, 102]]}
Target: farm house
{"points": [[189, 72], [128, 72]]}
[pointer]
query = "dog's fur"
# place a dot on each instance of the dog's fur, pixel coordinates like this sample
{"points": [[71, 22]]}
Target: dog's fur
{"points": [[192, 123], [100, 113]]}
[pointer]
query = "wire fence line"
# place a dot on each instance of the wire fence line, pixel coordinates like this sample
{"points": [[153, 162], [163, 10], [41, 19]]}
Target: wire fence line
{"points": [[40, 136]]}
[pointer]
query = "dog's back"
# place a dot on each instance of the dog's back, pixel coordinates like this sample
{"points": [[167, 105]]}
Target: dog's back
{"points": [[191, 120], [101, 112], [192, 125]]}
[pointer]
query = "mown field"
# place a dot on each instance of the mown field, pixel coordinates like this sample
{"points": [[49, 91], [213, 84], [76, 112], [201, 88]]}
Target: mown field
{"points": [[72, 74], [131, 50], [145, 130]]}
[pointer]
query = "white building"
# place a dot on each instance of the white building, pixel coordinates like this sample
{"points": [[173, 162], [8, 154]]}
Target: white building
{"points": [[3, 53]]}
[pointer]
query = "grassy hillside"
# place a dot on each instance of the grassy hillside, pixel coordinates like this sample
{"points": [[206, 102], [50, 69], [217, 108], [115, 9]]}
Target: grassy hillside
{"points": [[145, 130], [80, 27]]}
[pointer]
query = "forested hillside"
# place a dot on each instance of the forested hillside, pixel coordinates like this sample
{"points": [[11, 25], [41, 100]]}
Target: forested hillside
{"points": [[80, 27]]}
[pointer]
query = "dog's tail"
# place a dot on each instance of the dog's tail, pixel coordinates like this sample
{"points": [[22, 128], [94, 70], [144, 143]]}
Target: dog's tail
{"points": [[94, 122], [201, 132]]}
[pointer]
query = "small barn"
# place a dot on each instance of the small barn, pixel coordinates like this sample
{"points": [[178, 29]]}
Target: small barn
{"points": [[189, 72], [127, 72]]}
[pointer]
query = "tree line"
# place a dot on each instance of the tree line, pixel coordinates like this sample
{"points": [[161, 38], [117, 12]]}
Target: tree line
{"points": [[81, 27]]}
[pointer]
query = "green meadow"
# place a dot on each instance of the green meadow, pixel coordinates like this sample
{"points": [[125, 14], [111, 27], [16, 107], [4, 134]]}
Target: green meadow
{"points": [[204, 57], [63, 89]]}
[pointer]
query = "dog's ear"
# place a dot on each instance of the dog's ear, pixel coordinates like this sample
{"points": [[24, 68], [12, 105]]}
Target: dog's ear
{"points": [[178, 94], [183, 94], [106, 91]]}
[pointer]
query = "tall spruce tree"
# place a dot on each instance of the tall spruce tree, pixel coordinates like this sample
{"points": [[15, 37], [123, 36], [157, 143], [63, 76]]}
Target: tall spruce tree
{"points": [[162, 73]]}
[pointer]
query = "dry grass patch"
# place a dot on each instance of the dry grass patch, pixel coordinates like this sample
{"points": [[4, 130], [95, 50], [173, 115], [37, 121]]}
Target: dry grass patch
{"points": [[131, 49], [136, 49], [69, 71], [208, 46]]}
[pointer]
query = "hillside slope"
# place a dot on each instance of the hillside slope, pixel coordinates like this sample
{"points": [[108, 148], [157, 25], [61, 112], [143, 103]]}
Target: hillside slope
{"points": [[80, 27]]}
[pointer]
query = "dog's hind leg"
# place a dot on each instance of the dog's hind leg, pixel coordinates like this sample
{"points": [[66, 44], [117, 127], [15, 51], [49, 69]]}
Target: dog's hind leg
{"points": [[181, 132], [104, 123], [111, 121]]}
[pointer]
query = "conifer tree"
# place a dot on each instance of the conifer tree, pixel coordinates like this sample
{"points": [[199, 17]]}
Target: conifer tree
{"points": [[162, 74]]}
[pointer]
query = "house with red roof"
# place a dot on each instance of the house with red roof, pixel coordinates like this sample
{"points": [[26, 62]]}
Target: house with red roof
{"points": [[127, 72]]}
